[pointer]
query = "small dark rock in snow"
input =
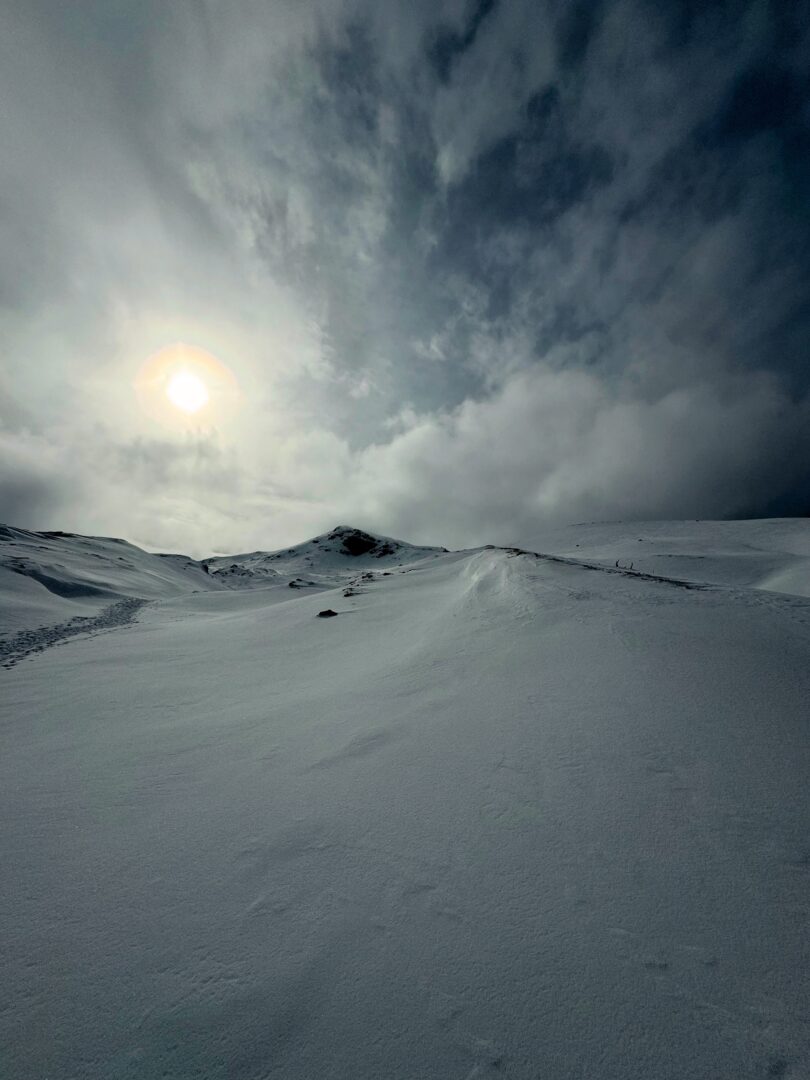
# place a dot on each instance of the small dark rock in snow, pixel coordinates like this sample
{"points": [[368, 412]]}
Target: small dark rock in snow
{"points": [[327, 614]]}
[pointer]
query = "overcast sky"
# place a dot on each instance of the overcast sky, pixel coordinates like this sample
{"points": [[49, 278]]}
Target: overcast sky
{"points": [[479, 267]]}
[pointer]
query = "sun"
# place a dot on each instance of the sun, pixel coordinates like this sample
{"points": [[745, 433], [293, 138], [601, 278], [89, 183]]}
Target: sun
{"points": [[183, 386], [187, 392]]}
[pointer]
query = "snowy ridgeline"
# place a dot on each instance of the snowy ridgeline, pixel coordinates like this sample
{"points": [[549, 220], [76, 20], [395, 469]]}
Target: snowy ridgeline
{"points": [[48, 578], [507, 815]]}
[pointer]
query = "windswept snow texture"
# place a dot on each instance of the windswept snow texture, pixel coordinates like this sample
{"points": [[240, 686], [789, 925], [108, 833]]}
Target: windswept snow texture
{"points": [[505, 816]]}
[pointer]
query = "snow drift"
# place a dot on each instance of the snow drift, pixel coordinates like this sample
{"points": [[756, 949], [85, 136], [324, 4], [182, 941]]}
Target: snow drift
{"points": [[507, 815]]}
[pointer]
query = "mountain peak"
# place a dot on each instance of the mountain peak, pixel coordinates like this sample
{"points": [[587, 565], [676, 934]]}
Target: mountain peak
{"points": [[357, 542]]}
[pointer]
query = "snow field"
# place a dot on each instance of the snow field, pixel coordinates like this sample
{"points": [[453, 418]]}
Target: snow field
{"points": [[504, 817]]}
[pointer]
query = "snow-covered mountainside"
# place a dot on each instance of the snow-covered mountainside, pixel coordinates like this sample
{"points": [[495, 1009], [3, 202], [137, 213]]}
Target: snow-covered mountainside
{"points": [[508, 815], [772, 554], [49, 577], [324, 561]]}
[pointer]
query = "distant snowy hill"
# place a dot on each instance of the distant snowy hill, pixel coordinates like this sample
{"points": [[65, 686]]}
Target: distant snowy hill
{"points": [[46, 577], [772, 553], [509, 814], [49, 576], [324, 561]]}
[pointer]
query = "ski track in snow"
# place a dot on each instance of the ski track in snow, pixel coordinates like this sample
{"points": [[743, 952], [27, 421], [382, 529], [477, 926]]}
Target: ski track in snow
{"points": [[30, 642]]}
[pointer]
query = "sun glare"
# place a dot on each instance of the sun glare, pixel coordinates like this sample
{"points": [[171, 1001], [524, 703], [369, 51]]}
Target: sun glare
{"points": [[183, 385], [187, 392]]}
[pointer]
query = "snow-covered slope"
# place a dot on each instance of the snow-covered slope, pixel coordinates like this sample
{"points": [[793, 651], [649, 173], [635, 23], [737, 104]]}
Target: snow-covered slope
{"points": [[772, 554], [54, 585], [506, 816], [325, 561], [46, 577]]}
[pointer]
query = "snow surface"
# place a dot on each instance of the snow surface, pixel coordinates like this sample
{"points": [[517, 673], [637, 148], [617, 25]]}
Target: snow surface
{"points": [[506, 816]]}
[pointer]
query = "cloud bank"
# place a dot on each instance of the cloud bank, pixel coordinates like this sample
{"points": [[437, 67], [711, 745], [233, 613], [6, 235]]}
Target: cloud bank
{"points": [[479, 267]]}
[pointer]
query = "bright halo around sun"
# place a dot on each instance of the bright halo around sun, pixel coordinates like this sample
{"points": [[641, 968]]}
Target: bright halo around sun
{"points": [[187, 392], [183, 385]]}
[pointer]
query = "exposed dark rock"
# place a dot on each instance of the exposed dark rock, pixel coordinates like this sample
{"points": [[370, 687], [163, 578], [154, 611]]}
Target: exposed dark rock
{"points": [[358, 543], [327, 614]]}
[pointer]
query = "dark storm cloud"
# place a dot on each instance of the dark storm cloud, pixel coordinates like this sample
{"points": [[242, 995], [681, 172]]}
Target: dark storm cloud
{"points": [[578, 24], [450, 44], [25, 492], [521, 185], [33, 482], [484, 264]]}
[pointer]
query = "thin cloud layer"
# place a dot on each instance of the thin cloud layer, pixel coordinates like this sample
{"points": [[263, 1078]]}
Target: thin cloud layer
{"points": [[478, 267]]}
